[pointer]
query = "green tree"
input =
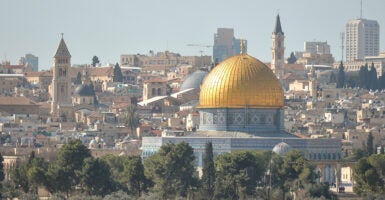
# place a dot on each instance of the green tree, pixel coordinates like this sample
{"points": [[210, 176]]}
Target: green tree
{"points": [[96, 177], [294, 171], [320, 190], [373, 85], [116, 164], [238, 173], [36, 173], [19, 178], [128, 171], [292, 59], [364, 77], [341, 76], [208, 176], [381, 82], [30, 175], [172, 170], [369, 174], [95, 60], [78, 80], [63, 174], [133, 176], [130, 118], [118, 76], [369, 144]]}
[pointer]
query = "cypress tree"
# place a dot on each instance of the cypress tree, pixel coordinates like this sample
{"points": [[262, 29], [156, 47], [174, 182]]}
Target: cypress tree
{"points": [[341, 76], [369, 144], [208, 177], [381, 82], [78, 79], [364, 76], [118, 76], [292, 59], [373, 77]]}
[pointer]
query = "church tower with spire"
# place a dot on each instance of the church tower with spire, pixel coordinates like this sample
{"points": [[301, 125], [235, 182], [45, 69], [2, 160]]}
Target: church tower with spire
{"points": [[61, 82], [278, 50]]}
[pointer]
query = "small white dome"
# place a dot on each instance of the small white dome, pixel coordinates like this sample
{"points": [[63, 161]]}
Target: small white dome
{"points": [[281, 148]]}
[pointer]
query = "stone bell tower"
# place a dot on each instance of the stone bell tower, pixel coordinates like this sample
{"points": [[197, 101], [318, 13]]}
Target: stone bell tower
{"points": [[278, 50], [61, 82]]}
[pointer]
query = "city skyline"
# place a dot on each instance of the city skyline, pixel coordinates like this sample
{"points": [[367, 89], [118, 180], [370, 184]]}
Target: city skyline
{"points": [[108, 30]]}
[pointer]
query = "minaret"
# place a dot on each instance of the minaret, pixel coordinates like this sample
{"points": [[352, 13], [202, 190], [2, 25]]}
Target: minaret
{"points": [[61, 81], [278, 50]]}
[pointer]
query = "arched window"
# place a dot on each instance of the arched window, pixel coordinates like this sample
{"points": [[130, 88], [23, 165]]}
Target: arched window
{"points": [[159, 91], [153, 92]]}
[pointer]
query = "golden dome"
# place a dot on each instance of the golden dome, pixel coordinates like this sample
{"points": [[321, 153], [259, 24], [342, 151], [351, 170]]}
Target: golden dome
{"points": [[241, 81]]}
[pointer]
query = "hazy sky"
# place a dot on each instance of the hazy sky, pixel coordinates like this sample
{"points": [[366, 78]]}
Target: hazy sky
{"points": [[110, 28]]}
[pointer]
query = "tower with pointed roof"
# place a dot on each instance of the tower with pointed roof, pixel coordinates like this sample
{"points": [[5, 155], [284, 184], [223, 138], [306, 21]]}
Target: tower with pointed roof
{"points": [[278, 50], [61, 82]]}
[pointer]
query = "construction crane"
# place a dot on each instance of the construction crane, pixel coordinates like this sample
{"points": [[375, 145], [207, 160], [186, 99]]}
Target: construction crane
{"points": [[200, 45]]}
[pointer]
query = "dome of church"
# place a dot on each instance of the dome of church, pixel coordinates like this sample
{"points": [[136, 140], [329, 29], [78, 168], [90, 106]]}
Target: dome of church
{"points": [[193, 80], [83, 90], [281, 148], [241, 81]]}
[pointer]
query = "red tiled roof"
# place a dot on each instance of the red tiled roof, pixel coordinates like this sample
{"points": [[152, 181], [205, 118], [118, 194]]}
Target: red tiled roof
{"points": [[101, 71]]}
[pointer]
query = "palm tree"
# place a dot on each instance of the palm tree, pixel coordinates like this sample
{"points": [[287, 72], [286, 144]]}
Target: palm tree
{"points": [[130, 118]]}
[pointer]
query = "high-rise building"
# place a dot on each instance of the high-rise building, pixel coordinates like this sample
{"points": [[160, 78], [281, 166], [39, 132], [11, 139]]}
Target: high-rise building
{"points": [[362, 39], [31, 60], [226, 45], [278, 50]]}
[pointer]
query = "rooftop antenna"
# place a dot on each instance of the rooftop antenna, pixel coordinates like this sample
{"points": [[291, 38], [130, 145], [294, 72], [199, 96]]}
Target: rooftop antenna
{"points": [[342, 35]]}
